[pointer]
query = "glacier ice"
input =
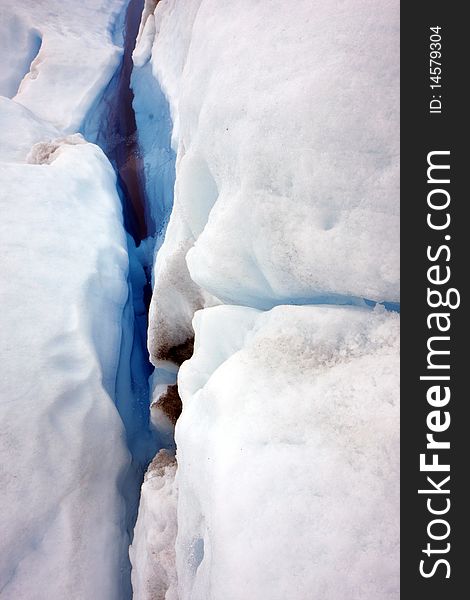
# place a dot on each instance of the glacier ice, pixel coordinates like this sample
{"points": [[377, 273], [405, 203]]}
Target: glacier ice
{"points": [[64, 455], [66, 473], [285, 129], [153, 550], [20, 43], [16, 142], [268, 137], [288, 451], [76, 59]]}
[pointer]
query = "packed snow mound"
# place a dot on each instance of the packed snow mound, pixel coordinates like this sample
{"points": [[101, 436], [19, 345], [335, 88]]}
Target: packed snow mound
{"points": [[286, 192], [58, 56], [153, 551], [287, 170], [16, 141], [46, 152], [19, 45], [64, 456], [146, 34], [288, 455]]}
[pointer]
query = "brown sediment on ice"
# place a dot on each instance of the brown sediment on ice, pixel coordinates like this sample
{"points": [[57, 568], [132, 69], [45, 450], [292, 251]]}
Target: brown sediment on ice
{"points": [[176, 354], [162, 461], [170, 403], [44, 153]]}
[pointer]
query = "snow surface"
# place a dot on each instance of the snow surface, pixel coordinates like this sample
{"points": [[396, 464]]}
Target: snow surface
{"points": [[65, 467], [58, 55], [287, 165], [16, 142], [19, 45], [285, 128], [63, 271], [287, 131], [280, 124], [288, 455], [153, 552]]}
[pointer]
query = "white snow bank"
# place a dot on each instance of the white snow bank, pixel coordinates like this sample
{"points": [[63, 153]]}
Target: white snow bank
{"points": [[153, 551], [288, 455], [63, 450], [65, 471], [19, 45], [58, 56], [20, 129], [287, 134]]}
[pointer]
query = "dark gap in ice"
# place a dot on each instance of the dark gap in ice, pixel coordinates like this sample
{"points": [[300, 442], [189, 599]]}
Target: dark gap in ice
{"points": [[318, 299], [125, 152], [390, 306], [111, 124]]}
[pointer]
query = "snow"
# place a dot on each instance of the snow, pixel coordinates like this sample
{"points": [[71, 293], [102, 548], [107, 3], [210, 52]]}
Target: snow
{"points": [[63, 271], [285, 129], [16, 142], [19, 45], [281, 132], [66, 474], [288, 455], [57, 56], [153, 550], [46, 152], [278, 126]]}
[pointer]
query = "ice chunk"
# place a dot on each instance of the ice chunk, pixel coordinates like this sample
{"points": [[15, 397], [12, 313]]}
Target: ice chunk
{"points": [[59, 56], [171, 335], [288, 455], [19, 45], [153, 551], [303, 157], [64, 456], [286, 134], [16, 141]]}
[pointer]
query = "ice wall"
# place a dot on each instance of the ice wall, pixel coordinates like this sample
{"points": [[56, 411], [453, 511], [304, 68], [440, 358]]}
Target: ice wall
{"points": [[64, 455], [66, 474], [288, 455], [74, 62], [286, 193], [111, 124]]}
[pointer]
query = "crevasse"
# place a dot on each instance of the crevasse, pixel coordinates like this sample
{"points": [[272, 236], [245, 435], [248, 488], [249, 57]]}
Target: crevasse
{"points": [[146, 195]]}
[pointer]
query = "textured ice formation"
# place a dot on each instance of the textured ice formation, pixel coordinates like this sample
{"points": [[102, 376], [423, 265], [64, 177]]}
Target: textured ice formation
{"points": [[288, 455], [65, 467], [287, 171], [57, 56], [153, 550], [64, 285], [285, 128]]}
